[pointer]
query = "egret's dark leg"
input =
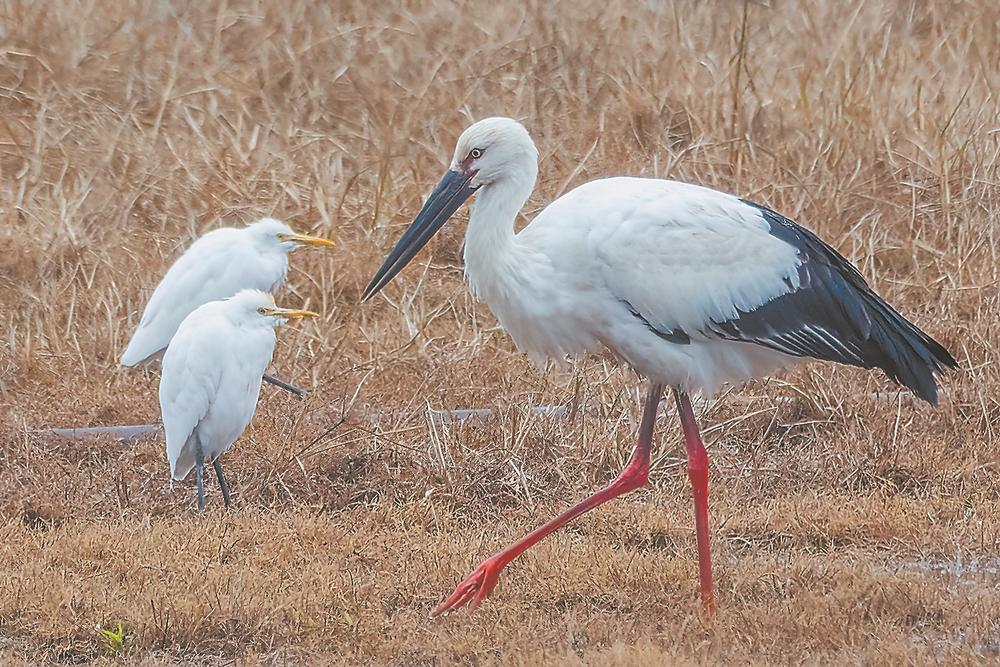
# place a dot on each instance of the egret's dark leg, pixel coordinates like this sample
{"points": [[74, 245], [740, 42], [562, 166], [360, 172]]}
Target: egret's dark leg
{"points": [[698, 474], [298, 391], [481, 582], [199, 473], [222, 482]]}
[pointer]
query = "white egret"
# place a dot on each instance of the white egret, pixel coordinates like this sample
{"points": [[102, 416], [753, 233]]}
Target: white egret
{"points": [[211, 379], [691, 287], [216, 266]]}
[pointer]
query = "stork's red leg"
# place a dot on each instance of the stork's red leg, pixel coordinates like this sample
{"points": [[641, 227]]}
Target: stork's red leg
{"points": [[478, 585], [698, 474]]}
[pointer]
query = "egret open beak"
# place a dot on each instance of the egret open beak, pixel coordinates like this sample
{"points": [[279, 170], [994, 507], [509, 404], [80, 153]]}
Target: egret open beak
{"points": [[304, 239], [449, 194], [289, 314]]}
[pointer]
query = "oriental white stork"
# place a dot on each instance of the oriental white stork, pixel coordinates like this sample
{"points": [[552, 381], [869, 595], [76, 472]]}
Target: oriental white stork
{"points": [[692, 287]]}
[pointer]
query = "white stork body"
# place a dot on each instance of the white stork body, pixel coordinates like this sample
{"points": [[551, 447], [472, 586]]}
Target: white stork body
{"points": [[691, 287], [678, 254]]}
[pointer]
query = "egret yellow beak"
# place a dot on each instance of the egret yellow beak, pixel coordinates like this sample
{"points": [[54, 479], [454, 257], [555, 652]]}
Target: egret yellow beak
{"points": [[307, 240], [288, 313]]}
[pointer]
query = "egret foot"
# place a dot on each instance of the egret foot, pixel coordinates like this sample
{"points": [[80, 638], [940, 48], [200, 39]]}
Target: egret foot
{"points": [[475, 588], [223, 484], [298, 391]]}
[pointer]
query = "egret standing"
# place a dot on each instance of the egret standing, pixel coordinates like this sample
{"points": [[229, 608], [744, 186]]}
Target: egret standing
{"points": [[216, 266], [690, 286], [211, 379]]}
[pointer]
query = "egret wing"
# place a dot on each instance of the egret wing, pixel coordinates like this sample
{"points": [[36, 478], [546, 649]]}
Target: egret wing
{"points": [[190, 382], [242, 361]]}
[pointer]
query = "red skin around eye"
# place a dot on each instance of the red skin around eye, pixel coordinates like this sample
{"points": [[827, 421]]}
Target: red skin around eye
{"points": [[466, 164]]}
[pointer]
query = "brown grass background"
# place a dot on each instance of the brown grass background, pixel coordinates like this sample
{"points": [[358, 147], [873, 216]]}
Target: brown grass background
{"points": [[850, 523]]}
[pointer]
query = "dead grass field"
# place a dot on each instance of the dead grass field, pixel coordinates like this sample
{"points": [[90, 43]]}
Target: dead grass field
{"points": [[847, 528]]}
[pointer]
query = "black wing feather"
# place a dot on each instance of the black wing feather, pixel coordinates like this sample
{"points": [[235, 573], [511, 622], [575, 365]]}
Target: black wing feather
{"points": [[834, 315]]}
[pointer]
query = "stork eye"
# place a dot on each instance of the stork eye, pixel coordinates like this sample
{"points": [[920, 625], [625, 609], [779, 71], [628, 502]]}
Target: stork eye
{"points": [[476, 153]]}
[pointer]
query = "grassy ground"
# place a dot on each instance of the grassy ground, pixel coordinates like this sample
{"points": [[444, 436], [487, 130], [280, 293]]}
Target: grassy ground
{"points": [[851, 524]]}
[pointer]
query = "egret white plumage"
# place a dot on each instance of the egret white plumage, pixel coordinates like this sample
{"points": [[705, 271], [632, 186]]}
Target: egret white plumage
{"points": [[691, 287], [211, 379], [216, 266]]}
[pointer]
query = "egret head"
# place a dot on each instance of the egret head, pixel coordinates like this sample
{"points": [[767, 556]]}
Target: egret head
{"points": [[274, 233], [258, 307], [490, 152]]}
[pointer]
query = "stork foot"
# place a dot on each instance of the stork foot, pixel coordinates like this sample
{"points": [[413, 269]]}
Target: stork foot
{"points": [[474, 588]]}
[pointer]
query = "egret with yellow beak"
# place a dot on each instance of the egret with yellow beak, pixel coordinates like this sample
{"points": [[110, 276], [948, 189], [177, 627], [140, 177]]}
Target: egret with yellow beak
{"points": [[211, 379]]}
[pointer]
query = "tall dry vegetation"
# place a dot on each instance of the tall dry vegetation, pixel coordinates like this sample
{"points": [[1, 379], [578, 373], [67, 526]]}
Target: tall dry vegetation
{"points": [[848, 527]]}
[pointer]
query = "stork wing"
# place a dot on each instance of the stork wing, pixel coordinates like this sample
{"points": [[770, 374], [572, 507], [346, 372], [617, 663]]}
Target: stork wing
{"points": [[694, 256], [834, 315], [731, 269]]}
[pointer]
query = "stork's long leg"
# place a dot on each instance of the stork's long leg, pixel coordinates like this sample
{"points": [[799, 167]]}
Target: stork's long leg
{"points": [[698, 474], [298, 391], [478, 585], [223, 484], [199, 472]]}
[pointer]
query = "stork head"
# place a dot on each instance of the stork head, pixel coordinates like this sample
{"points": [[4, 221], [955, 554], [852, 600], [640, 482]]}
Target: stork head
{"points": [[490, 152], [276, 234]]}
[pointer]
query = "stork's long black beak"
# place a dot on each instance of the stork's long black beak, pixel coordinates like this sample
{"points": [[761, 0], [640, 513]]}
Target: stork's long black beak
{"points": [[449, 194]]}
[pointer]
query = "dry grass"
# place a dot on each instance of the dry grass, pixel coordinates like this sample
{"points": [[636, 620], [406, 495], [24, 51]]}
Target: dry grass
{"points": [[847, 528]]}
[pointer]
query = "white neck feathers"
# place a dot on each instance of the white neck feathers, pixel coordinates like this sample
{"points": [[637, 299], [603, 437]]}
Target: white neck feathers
{"points": [[492, 254]]}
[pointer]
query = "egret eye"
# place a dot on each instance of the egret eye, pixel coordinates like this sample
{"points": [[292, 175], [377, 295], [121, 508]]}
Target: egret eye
{"points": [[476, 153], [262, 310]]}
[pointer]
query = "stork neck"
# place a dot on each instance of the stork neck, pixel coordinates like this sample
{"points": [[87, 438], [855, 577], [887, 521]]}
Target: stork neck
{"points": [[491, 248]]}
